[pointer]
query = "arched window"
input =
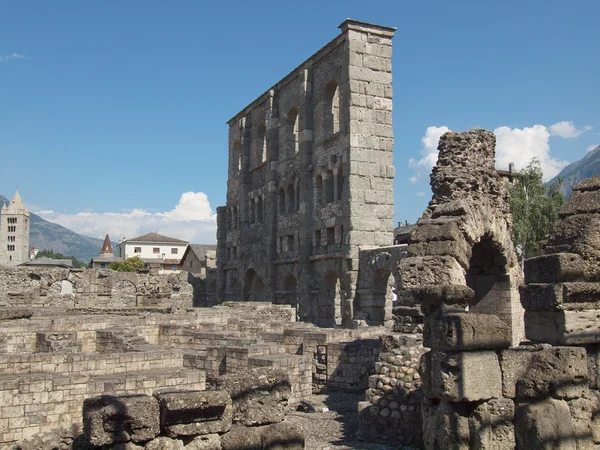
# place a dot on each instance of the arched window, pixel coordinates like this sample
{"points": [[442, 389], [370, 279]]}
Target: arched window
{"points": [[236, 158], [340, 183], [329, 188], [259, 210], [261, 144], [318, 191], [332, 110], [291, 199], [292, 132], [281, 201], [252, 210]]}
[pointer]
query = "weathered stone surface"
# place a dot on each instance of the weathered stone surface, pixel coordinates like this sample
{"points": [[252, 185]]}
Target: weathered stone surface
{"points": [[430, 270], [110, 419], [282, 435], [192, 413], [259, 397], [558, 371], [561, 296], [563, 327], [206, 442], [447, 427], [461, 376], [164, 443], [466, 331], [554, 268], [546, 424], [242, 438], [491, 425], [432, 297], [593, 362]]}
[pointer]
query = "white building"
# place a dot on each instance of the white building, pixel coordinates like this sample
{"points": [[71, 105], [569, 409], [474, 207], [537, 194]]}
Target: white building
{"points": [[154, 248]]}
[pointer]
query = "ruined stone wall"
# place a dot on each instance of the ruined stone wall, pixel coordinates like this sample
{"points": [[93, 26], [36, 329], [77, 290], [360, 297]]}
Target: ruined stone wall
{"points": [[91, 288], [310, 180]]}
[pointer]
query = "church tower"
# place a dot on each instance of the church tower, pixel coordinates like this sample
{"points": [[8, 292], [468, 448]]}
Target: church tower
{"points": [[14, 233]]}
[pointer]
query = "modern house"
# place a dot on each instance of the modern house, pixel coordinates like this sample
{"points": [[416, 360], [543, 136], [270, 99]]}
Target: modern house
{"points": [[194, 259], [156, 250]]}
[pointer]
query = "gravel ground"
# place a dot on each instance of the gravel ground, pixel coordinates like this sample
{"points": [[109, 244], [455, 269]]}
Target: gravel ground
{"points": [[335, 429]]}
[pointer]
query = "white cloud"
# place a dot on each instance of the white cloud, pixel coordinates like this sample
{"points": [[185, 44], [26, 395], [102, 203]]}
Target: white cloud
{"points": [[428, 152], [565, 129], [592, 147], [192, 219], [513, 145], [520, 146], [14, 56], [420, 194]]}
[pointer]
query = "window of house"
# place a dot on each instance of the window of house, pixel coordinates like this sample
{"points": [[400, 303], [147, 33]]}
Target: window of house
{"points": [[331, 236], [317, 238], [290, 243], [102, 265], [156, 250], [137, 249], [173, 268], [174, 251]]}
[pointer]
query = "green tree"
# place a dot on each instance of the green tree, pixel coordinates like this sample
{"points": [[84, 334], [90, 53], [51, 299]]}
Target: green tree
{"points": [[534, 209], [50, 254], [128, 265]]}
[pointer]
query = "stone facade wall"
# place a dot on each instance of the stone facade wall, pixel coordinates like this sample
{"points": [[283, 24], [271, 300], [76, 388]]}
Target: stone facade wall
{"points": [[310, 180], [14, 233]]}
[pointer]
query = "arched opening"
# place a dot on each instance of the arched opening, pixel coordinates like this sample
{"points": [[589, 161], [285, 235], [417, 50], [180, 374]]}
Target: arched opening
{"points": [[281, 201], [261, 144], [259, 210], [291, 199], [290, 286], [340, 183], [329, 188], [236, 158], [125, 293], [292, 131], [252, 212], [254, 287], [234, 218], [489, 279], [381, 302], [331, 301], [318, 191], [212, 292], [332, 110]]}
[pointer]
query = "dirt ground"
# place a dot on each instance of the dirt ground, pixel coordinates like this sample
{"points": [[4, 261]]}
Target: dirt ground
{"points": [[336, 428]]}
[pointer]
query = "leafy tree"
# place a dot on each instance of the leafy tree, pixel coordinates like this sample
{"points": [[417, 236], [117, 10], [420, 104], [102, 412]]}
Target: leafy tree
{"points": [[128, 265], [534, 209]]}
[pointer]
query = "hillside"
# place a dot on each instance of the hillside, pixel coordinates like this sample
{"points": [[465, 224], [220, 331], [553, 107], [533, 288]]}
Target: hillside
{"points": [[579, 170], [46, 235]]}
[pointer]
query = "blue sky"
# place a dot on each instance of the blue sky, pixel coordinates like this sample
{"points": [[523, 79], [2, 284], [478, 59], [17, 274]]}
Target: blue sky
{"points": [[112, 114]]}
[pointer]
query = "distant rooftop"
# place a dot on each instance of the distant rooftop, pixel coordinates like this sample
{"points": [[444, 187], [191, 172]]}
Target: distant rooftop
{"points": [[157, 238], [66, 263]]}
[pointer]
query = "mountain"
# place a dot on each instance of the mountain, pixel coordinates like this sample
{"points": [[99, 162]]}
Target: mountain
{"points": [[45, 235], [579, 170]]}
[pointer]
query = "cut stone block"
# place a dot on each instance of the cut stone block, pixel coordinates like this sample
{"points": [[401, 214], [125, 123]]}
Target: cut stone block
{"points": [[561, 296], [109, 420], [546, 424], [445, 428], [206, 442], [164, 443], [259, 397], [593, 362], [563, 327], [241, 437], [557, 371], [554, 268], [491, 425], [193, 413], [435, 270], [432, 297], [282, 436], [461, 376], [466, 331]]}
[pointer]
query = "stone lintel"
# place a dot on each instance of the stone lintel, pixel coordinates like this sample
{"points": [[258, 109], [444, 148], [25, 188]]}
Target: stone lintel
{"points": [[365, 27]]}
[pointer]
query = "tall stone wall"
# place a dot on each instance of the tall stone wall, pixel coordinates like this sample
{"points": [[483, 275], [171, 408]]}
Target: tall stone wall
{"points": [[311, 179]]}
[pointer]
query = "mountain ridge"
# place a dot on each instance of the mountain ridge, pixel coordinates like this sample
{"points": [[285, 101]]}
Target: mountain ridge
{"points": [[586, 167]]}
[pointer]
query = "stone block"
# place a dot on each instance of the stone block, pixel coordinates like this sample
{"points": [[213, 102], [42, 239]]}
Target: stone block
{"points": [[546, 424], [206, 442], [444, 427], [561, 296], [282, 436], [491, 425], [259, 397], [562, 327], [558, 371], [164, 443], [461, 376], [109, 420], [430, 270], [193, 413], [554, 268], [242, 438], [593, 363], [466, 331], [431, 297]]}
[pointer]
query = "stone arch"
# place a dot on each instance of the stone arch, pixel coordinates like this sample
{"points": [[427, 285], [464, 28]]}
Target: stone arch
{"points": [[329, 187], [290, 288], [254, 287], [61, 287], [292, 130], [125, 293], [281, 201], [330, 305], [318, 191], [261, 144], [291, 198]]}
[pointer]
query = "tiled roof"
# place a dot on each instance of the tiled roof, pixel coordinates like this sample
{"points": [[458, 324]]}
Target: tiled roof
{"points": [[157, 238], [49, 262], [201, 249]]}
